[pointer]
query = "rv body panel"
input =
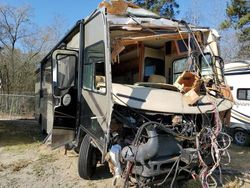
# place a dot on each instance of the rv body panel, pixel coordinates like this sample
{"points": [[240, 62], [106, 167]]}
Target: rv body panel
{"points": [[151, 99], [38, 94], [46, 100], [74, 43], [212, 39], [237, 76]]}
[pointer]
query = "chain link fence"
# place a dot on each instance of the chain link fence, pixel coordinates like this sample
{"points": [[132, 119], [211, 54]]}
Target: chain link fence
{"points": [[13, 106]]}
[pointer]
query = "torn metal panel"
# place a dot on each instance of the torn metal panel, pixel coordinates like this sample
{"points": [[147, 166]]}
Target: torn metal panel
{"points": [[151, 22]]}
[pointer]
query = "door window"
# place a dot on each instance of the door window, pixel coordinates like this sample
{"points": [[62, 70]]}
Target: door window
{"points": [[65, 70], [94, 68]]}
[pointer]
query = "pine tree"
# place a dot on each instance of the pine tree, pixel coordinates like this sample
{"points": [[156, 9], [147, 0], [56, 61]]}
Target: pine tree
{"points": [[238, 18], [166, 8]]}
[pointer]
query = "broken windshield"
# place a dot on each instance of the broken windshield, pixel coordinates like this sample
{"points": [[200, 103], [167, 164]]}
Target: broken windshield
{"points": [[179, 65], [206, 64]]}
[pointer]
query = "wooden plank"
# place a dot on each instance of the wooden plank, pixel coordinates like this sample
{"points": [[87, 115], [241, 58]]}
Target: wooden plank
{"points": [[175, 36], [141, 62], [155, 37]]}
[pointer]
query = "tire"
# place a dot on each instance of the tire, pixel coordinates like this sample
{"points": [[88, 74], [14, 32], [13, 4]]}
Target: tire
{"points": [[87, 158], [241, 137], [40, 121]]}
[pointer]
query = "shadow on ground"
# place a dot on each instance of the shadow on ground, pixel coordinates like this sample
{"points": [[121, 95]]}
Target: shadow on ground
{"points": [[102, 172]]}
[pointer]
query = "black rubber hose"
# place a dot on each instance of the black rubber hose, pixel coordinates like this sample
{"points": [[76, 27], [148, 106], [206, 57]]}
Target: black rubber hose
{"points": [[141, 153]]}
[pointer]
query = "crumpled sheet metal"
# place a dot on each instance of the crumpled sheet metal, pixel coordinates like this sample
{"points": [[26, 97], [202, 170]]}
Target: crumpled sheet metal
{"points": [[122, 20]]}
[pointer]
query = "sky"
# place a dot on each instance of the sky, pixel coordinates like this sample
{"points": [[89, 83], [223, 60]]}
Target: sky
{"points": [[45, 11]]}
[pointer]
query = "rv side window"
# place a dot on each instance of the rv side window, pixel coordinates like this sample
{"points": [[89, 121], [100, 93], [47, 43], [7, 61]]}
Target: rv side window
{"points": [[183, 45], [46, 75], [179, 66], [94, 68], [243, 94], [153, 66]]}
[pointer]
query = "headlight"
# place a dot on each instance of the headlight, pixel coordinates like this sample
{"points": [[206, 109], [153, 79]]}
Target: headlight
{"points": [[66, 99]]}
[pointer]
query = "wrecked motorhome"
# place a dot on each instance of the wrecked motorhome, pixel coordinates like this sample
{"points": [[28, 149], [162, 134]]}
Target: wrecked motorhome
{"points": [[142, 92]]}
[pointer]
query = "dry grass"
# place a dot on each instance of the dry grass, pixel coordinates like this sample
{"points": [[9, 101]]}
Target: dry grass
{"points": [[20, 148], [17, 166], [18, 138], [2, 167], [40, 166]]}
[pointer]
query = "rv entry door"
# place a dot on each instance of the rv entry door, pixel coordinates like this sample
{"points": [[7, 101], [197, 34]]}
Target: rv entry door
{"points": [[64, 96], [97, 104]]}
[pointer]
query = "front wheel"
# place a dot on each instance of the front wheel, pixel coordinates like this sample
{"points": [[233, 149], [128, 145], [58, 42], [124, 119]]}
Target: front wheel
{"points": [[87, 158], [241, 137]]}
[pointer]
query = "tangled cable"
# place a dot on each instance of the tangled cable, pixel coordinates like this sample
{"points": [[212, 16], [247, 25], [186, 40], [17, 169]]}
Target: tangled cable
{"points": [[210, 136]]}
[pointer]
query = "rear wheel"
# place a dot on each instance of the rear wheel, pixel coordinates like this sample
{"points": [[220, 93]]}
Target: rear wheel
{"points": [[40, 121], [241, 137], [87, 158]]}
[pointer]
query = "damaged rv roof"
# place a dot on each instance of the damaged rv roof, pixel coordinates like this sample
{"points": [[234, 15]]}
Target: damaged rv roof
{"points": [[131, 17], [125, 13]]}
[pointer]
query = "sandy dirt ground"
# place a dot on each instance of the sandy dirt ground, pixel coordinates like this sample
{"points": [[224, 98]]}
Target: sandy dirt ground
{"points": [[26, 162]]}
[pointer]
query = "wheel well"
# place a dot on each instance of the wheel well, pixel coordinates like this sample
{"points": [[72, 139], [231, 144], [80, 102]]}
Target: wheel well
{"points": [[239, 129], [79, 139], [81, 135]]}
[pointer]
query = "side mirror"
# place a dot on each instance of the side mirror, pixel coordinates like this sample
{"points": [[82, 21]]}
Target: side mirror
{"points": [[221, 61]]}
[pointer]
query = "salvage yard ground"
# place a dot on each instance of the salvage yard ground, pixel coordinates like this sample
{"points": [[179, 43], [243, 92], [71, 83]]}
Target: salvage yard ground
{"points": [[26, 162]]}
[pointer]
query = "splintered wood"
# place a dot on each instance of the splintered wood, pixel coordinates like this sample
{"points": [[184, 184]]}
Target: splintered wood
{"points": [[187, 81], [118, 7], [118, 47], [191, 97]]}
